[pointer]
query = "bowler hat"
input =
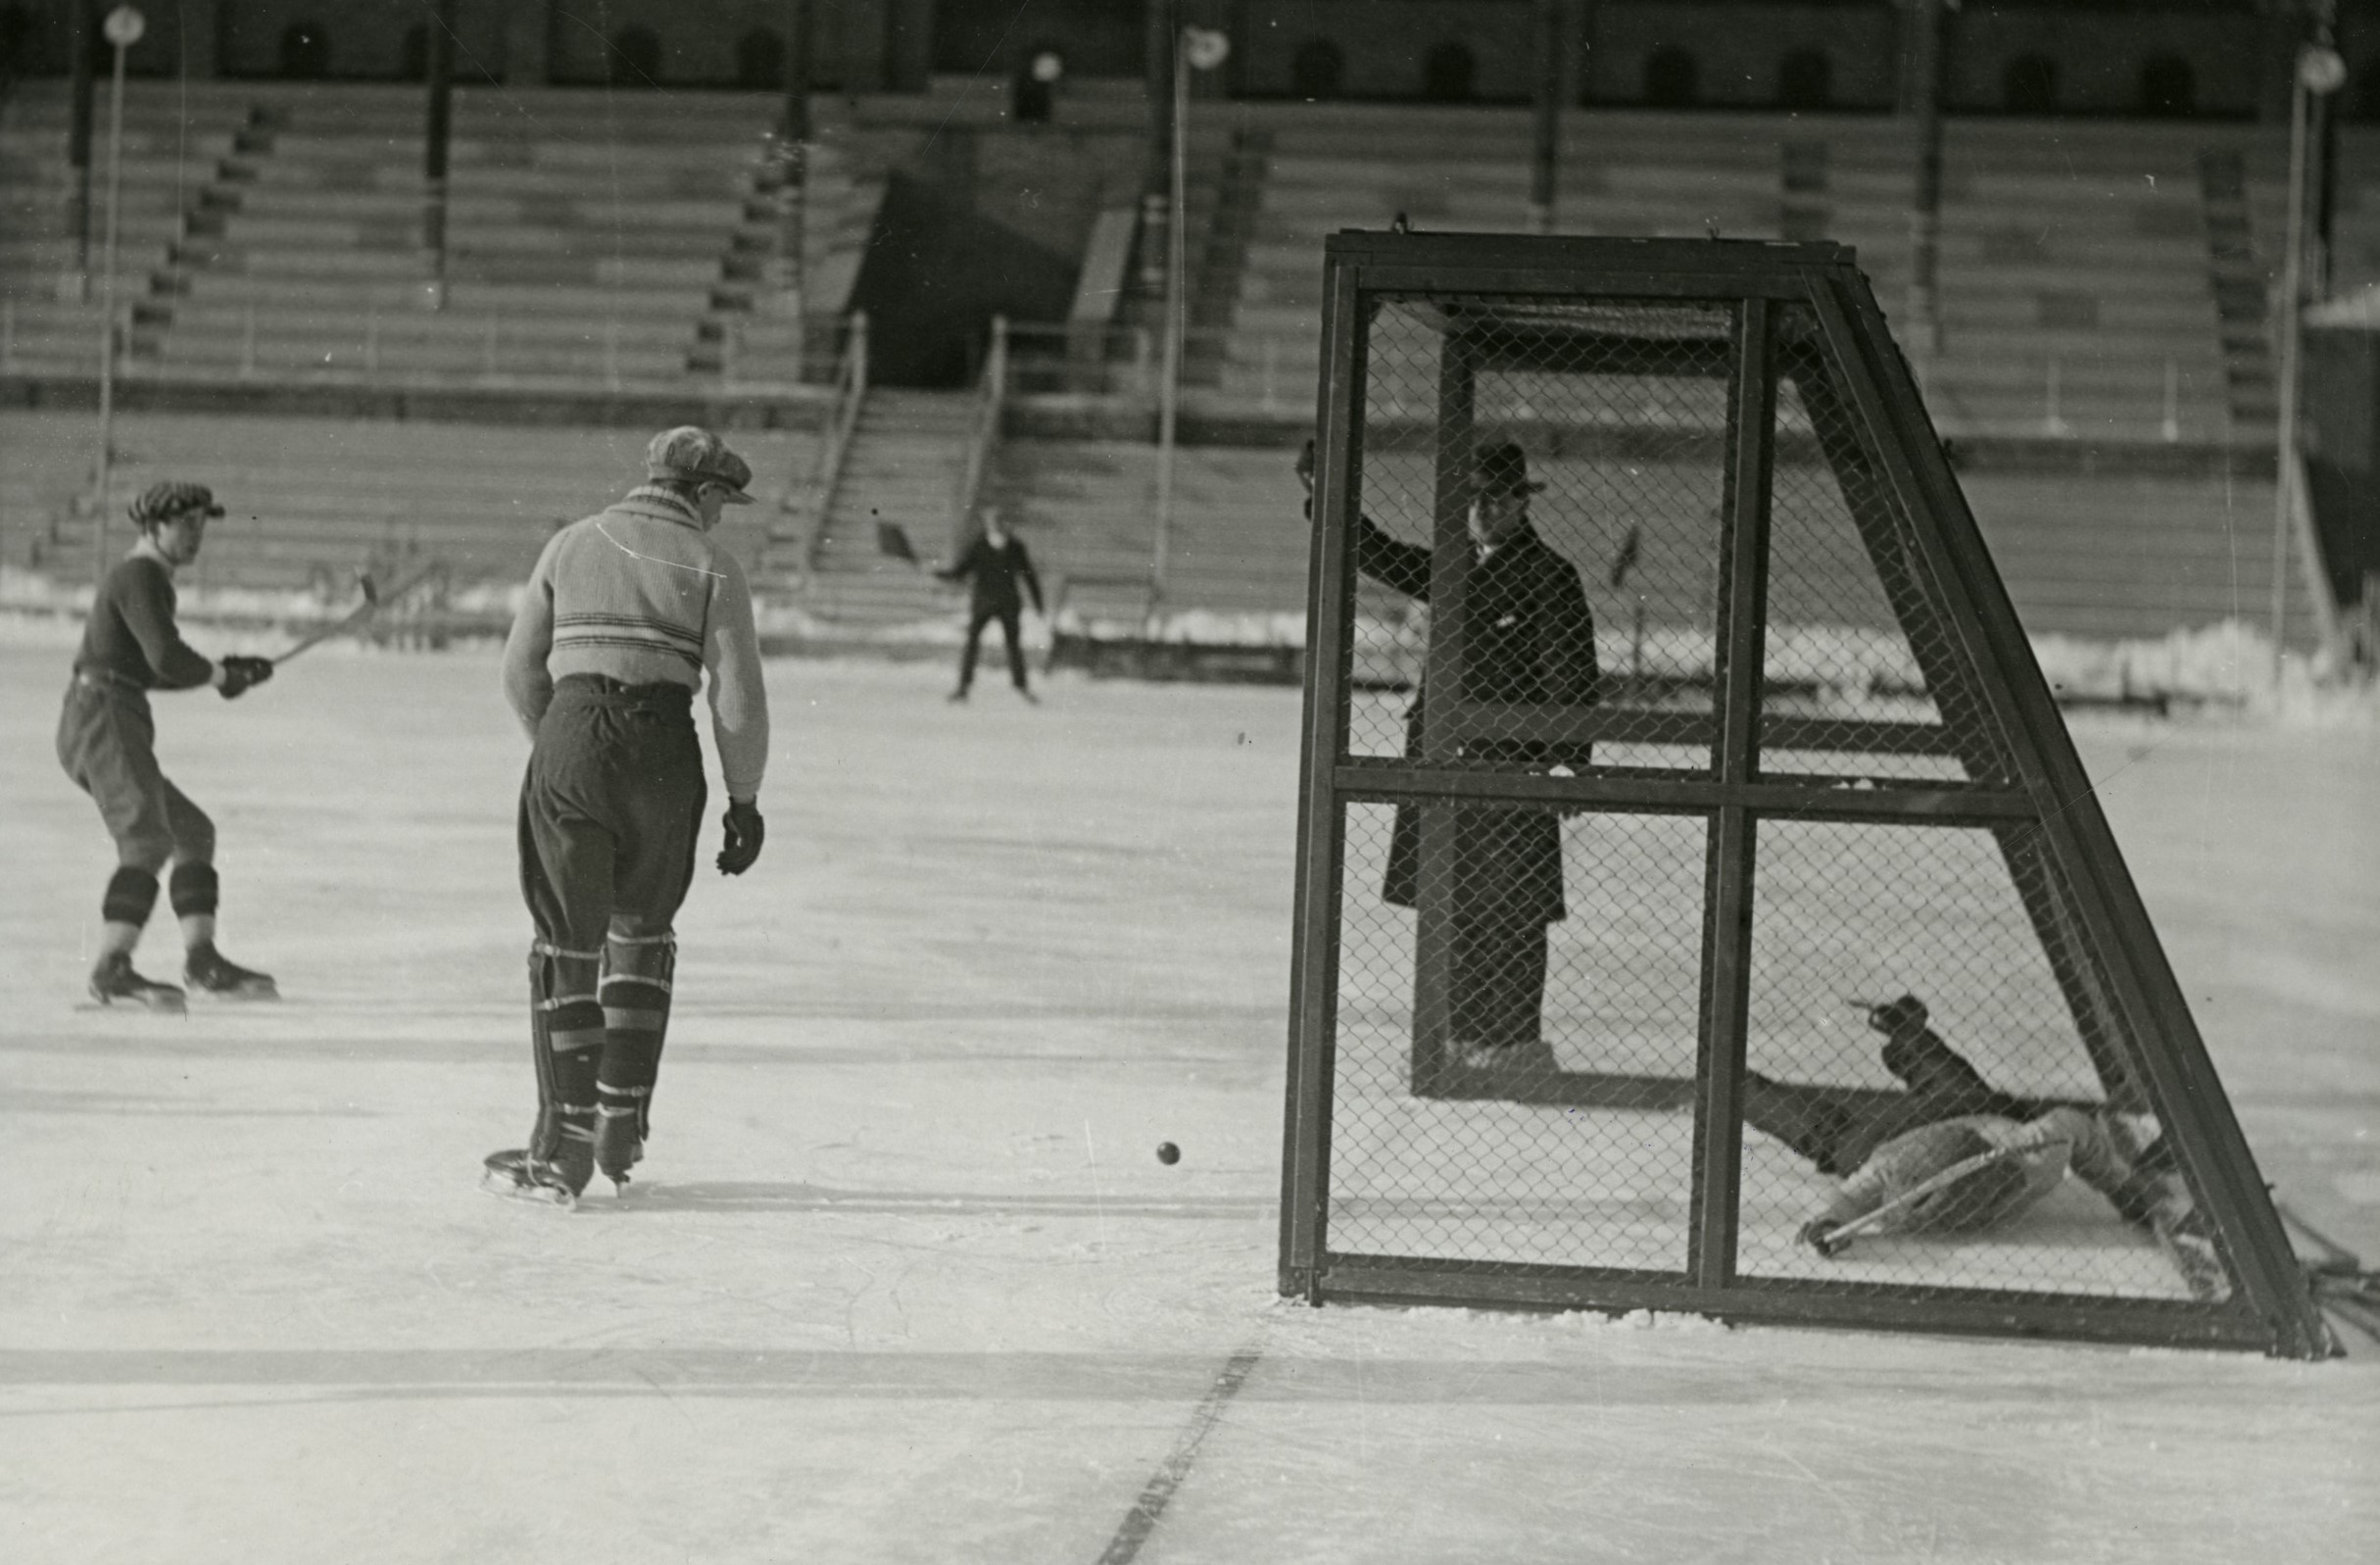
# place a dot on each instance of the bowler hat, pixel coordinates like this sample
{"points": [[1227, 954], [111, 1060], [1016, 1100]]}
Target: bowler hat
{"points": [[1504, 467], [1895, 1014]]}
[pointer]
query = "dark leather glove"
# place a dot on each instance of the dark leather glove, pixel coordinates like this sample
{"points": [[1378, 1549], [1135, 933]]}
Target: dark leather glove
{"points": [[241, 671], [1818, 1235], [745, 832]]}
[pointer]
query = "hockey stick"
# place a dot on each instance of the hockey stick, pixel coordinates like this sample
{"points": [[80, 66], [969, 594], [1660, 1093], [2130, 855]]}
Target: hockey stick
{"points": [[374, 598], [1868, 1221]]}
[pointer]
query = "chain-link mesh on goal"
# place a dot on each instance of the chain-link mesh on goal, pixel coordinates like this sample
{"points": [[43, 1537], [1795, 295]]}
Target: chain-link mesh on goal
{"points": [[1730, 927]]}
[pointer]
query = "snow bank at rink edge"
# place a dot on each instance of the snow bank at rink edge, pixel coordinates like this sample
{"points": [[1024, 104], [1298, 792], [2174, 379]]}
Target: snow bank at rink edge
{"points": [[2228, 665]]}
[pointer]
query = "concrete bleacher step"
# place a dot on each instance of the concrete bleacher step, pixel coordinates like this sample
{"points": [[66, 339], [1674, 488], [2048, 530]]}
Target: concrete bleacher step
{"points": [[309, 495], [903, 467]]}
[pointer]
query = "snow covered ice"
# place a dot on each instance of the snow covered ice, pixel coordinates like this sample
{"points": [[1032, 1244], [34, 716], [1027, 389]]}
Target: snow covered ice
{"points": [[902, 1278]]}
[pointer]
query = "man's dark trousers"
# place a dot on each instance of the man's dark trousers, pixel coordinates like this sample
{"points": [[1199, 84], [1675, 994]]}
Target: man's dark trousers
{"points": [[981, 615], [610, 812]]}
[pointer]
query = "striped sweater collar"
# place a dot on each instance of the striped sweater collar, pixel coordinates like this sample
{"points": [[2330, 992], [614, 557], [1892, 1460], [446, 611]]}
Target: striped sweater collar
{"points": [[652, 500]]}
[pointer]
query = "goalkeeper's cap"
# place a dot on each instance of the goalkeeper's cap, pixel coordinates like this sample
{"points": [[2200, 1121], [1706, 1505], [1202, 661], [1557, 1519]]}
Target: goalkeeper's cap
{"points": [[173, 497], [694, 455], [1899, 1016]]}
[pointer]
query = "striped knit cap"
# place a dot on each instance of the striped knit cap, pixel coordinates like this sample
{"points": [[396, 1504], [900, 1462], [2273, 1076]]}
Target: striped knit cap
{"points": [[161, 502]]}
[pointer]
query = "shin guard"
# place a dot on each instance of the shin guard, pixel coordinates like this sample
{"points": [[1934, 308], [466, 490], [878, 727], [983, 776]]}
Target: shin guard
{"points": [[638, 971], [566, 1042], [193, 890], [131, 898]]}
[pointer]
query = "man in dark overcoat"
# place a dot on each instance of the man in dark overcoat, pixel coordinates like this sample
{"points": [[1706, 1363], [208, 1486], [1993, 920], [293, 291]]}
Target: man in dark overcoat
{"points": [[1528, 638]]}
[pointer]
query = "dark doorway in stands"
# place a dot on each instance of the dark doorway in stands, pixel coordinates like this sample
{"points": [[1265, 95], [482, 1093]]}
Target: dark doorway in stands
{"points": [[1672, 78], [1318, 70], [1450, 73], [761, 59], [634, 60], [304, 52]]}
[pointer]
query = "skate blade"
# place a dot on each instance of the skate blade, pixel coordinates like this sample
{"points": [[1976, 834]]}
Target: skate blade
{"points": [[153, 1007], [497, 1183], [239, 997]]}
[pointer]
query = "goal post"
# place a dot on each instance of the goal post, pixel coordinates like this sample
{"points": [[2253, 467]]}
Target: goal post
{"points": [[1729, 843]]}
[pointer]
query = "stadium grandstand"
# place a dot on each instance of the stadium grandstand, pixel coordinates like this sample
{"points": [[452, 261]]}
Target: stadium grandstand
{"points": [[416, 281]]}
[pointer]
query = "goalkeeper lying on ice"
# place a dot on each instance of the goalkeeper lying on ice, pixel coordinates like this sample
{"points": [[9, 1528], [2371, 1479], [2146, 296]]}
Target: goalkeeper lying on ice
{"points": [[1954, 1154]]}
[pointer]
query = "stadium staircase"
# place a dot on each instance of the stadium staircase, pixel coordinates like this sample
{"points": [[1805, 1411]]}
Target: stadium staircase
{"points": [[594, 239], [904, 465], [186, 153], [584, 242]]}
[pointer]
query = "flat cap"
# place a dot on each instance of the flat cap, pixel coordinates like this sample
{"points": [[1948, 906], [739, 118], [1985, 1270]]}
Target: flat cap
{"points": [[173, 497], [696, 456]]}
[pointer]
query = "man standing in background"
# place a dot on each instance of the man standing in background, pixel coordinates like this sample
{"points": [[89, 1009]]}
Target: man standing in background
{"points": [[995, 562], [625, 614]]}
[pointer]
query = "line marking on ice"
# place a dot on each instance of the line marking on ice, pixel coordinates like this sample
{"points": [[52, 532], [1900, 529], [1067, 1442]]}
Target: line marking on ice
{"points": [[1141, 1520]]}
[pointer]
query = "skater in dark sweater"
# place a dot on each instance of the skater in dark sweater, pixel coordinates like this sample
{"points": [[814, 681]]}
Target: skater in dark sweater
{"points": [[106, 743], [997, 561]]}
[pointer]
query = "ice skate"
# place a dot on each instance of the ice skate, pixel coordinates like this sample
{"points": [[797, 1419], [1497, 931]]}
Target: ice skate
{"points": [[208, 972], [115, 983], [617, 1146], [516, 1175]]}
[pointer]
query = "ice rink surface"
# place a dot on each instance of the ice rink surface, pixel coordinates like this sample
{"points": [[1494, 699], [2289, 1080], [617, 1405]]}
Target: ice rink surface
{"points": [[902, 1279]]}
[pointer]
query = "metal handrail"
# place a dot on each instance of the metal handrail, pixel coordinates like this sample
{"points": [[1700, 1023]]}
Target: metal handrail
{"points": [[826, 472], [983, 432], [2305, 551]]}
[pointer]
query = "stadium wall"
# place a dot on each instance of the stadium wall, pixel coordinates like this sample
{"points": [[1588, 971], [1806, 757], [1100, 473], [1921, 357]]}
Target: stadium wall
{"points": [[2208, 58]]}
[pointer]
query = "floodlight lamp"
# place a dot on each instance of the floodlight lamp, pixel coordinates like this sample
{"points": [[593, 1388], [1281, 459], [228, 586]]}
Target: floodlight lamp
{"points": [[2321, 71], [1204, 47], [1048, 66], [123, 27]]}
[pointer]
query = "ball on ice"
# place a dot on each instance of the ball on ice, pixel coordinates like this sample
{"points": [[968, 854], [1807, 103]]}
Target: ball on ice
{"points": [[1168, 1153]]}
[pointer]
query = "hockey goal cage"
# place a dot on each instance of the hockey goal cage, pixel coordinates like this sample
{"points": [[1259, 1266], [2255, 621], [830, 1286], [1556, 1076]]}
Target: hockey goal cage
{"points": [[1817, 769]]}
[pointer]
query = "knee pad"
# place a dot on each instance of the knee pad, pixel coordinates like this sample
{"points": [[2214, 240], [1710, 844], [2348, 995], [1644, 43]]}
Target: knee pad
{"points": [[131, 897], [193, 889]]}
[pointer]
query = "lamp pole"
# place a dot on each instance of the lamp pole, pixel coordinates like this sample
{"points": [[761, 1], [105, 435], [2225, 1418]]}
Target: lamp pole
{"points": [[2320, 72], [793, 188], [77, 285], [1546, 148], [437, 139], [1199, 49], [122, 28], [1924, 89]]}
